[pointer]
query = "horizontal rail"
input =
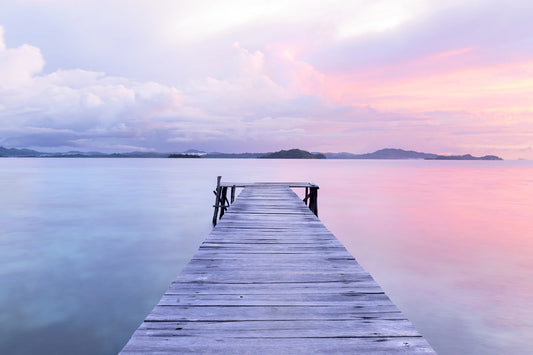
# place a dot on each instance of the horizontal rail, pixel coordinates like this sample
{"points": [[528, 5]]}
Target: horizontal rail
{"points": [[290, 184], [222, 203]]}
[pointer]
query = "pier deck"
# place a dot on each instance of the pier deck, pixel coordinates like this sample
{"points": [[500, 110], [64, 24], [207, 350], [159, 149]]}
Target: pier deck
{"points": [[270, 278]]}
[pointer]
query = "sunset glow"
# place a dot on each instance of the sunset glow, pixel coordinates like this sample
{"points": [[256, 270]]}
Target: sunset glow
{"points": [[241, 76]]}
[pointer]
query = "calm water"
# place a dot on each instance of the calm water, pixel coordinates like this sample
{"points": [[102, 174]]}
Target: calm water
{"points": [[88, 246]]}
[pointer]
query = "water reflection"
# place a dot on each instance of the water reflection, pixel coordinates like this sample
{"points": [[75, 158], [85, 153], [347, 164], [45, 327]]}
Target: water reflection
{"points": [[451, 244], [87, 246]]}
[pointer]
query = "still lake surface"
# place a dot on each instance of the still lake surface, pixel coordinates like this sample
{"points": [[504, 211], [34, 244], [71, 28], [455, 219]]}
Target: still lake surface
{"points": [[88, 246]]}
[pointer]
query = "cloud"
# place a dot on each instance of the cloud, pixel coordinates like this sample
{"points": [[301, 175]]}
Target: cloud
{"points": [[68, 105], [18, 65], [265, 74], [267, 96]]}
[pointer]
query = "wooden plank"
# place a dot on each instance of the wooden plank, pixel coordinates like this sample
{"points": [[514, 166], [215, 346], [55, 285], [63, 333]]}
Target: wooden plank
{"points": [[265, 313], [267, 299], [142, 344], [270, 278], [384, 325], [296, 288]]}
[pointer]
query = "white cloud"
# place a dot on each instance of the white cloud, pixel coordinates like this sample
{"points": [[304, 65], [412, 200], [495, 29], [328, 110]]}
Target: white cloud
{"points": [[18, 65], [92, 110], [186, 21], [73, 105]]}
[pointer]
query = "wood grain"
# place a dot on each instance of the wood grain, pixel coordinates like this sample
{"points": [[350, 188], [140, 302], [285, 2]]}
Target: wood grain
{"points": [[271, 279]]}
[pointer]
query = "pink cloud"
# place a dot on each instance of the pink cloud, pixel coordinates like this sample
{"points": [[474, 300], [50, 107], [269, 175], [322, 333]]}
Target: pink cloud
{"points": [[421, 76]]}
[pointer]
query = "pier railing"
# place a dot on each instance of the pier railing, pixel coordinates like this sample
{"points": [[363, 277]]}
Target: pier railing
{"points": [[222, 202]]}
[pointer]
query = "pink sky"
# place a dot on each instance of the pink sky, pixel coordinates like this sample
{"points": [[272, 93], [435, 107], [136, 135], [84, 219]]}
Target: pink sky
{"points": [[445, 77]]}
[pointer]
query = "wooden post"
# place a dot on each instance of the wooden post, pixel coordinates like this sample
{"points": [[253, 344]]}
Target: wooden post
{"points": [[306, 195], [232, 193], [313, 200], [222, 201], [217, 199]]}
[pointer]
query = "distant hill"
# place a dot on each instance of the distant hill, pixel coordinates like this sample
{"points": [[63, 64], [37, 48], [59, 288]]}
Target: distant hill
{"points": [[293, 154], [392, 153], [387, 153], [465, 157], [14, 152]]}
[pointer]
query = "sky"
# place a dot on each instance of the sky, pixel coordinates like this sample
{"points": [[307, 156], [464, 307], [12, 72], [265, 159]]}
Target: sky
{"points": [[448, 77]]}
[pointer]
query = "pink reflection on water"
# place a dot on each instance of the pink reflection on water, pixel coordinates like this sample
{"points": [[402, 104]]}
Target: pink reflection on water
{"points": [[451, 243]]}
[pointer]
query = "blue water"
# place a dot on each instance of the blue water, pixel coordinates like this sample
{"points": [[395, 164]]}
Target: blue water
{"points": [[88, 246]]}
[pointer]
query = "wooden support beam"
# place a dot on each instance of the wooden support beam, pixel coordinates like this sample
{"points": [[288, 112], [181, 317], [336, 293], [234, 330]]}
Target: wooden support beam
{"points": [[217, 199]]}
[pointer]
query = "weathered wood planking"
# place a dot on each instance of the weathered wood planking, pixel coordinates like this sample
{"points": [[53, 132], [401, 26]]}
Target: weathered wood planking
{"points": [[270, 278]]}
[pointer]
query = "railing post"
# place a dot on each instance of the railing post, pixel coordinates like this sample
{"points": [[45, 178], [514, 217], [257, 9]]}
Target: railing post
{"points": [[217, 199], [306, 195], [313, 200], [222, 201], [232, 193]]}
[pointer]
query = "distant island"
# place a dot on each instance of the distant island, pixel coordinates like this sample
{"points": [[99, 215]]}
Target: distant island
{"points": [[293, 154], [387, 153], [184, 156], [393, 153], [465, 157]]}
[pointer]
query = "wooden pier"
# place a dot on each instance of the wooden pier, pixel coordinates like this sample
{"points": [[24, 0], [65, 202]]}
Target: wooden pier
{"points": [[271, 279]]}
